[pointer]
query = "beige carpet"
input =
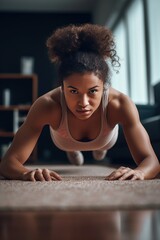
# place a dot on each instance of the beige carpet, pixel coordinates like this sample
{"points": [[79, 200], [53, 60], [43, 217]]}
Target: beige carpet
{"points": [[82, 188]]}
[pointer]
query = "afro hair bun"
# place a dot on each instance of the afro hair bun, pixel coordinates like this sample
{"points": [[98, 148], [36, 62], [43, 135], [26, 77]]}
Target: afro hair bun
{"points": [[81, 38]]}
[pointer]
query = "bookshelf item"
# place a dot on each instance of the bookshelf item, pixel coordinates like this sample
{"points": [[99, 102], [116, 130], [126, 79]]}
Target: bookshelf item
{"points": [[17, 93]]}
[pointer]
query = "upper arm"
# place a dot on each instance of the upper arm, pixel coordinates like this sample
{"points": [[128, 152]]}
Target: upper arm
{"points": [[136, 136], [126, 114]]}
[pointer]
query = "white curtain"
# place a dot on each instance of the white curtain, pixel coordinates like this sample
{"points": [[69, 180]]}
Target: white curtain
{"points": [[153, 7], [137, 55], [120, 80]]}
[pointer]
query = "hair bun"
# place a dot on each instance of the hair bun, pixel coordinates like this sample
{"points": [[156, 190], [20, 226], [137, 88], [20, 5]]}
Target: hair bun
{"points": [[85, 38]]}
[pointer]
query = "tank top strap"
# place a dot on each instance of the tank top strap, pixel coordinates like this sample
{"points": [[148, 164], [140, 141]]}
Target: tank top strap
{"points": [[63, 106], [105, 99]]}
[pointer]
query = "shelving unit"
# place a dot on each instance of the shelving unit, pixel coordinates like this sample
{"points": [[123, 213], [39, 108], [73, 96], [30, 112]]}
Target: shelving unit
{"points": [[17, 93]]}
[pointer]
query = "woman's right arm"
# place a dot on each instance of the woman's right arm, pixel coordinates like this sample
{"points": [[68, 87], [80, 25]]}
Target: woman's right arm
{"points": [[11, 166]]}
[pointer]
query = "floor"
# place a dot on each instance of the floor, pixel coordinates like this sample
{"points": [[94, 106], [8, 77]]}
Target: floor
{"points": [[87, 225], [80, 225]]}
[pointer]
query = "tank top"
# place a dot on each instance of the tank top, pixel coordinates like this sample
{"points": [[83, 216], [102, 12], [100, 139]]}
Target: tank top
{"points": [[105, 139]]}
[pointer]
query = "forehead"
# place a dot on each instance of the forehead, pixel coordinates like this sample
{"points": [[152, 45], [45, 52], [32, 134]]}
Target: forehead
{"points": [[87, 80]]}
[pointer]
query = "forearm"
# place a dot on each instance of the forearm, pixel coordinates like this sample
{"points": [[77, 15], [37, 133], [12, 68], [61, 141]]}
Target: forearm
{"points": [[150, 167], [12, 169]]}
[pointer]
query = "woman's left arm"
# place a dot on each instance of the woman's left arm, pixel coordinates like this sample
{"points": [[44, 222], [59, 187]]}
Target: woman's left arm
{"points": [[139, 144]]}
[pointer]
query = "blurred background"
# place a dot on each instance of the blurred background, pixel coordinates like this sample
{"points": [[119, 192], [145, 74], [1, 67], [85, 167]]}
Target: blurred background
{"points": [[25, 26]]}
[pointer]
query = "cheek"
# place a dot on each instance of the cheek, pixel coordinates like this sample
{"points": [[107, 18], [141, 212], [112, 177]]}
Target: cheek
{"points": [[98, 98], [70, 100], [95, 102]]}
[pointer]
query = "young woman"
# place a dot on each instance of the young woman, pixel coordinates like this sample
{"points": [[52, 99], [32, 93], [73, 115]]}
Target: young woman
{"points": [[84, 112]]}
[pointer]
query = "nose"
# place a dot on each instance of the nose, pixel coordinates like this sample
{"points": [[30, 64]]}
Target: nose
{"points": [[83, 101]]}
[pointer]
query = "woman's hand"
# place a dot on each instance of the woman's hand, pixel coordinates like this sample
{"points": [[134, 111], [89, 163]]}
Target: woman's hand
{"points": [[126, 173], [41, 175]]}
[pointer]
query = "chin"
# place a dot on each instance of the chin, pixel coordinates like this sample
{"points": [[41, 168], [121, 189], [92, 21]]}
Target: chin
{"points": [[83, 116]]}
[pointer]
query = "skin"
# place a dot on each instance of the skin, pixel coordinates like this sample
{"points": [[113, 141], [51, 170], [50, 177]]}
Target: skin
{"points": [[83, 93]]}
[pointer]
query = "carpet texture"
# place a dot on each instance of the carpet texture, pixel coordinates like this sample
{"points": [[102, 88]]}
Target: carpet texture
{"points": [[82, 188]]}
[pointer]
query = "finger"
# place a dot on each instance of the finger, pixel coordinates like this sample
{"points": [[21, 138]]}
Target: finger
{"points": [[127, 175], [55, 176], [111, 176], [114, 176], [46, 174], [122, 167], [118, 173], [53, 179], [32, 176], [134, 177], [39, 175]]}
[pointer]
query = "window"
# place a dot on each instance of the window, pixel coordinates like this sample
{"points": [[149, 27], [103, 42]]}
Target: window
{"points": [[120, 80], [130, 35], [137, 56], [154, 38]]}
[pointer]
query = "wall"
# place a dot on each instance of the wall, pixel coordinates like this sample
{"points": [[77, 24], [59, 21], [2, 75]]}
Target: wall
{"points": [[25, 34], [107, 12]]}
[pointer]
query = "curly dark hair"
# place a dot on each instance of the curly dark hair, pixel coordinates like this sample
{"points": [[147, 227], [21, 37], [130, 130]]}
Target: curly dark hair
{"points": [[83, 48]]}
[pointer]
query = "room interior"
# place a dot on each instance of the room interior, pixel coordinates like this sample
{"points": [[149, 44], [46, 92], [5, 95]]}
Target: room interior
{"points": [[25, 26]]}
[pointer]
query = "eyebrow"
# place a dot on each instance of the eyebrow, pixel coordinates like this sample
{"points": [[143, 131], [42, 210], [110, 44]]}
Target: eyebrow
{"points": [[77, 88]]}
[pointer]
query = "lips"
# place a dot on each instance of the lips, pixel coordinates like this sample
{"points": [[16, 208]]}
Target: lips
{"points": [[83, 112]]}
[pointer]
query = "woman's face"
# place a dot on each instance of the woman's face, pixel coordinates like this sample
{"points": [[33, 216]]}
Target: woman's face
{"points": [[83, 93]]}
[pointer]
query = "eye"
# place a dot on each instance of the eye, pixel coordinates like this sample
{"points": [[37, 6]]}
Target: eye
{"points": [[93, 91], [73, 91]]}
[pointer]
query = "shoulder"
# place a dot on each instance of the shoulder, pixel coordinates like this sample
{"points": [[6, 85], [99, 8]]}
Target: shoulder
{"points": [[121, 109], [46, 109], [48, 100]]}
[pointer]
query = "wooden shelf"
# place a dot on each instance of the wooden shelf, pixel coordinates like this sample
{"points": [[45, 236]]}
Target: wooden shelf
{"points": [[19, 76], [17, 94], [6, 134]]}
